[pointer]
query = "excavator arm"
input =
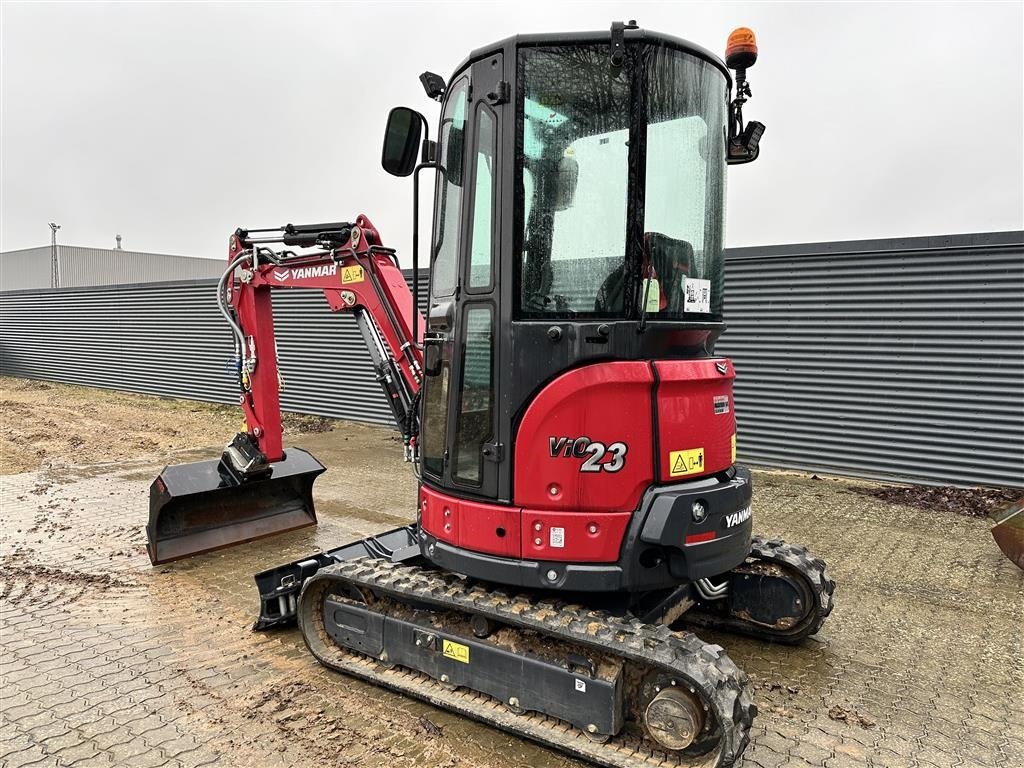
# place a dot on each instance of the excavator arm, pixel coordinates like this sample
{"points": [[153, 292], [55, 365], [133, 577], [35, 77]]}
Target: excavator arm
{"points": [[357, 274], [256, 488]]}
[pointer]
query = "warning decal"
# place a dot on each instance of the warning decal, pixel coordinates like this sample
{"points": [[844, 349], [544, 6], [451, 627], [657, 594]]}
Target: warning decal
{"points": [[688, 462], [721, 404], [696, 295], [351, 275], [733, 454], [457, 651]]}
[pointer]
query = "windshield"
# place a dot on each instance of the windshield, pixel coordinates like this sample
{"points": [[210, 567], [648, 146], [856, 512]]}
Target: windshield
{"points": [[574, 183]]}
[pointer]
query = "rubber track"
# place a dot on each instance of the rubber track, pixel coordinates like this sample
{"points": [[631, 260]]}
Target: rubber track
{"points": [[794, 558], [680, 655]]}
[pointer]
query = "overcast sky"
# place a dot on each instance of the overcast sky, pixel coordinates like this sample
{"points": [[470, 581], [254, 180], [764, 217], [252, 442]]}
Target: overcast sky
{"points": [[175, 123]]}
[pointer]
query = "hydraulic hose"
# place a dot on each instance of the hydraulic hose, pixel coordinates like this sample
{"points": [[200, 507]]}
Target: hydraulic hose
{"points": [[222, 305]]}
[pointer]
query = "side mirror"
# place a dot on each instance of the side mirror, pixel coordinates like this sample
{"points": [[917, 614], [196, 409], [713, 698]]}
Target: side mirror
{"points": [[401, 141]]}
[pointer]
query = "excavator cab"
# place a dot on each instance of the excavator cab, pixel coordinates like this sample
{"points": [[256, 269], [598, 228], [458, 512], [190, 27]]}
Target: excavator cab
{"points": [[578, 218]]}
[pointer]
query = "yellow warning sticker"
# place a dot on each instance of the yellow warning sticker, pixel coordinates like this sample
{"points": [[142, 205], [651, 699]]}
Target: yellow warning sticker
{"points": [[733, 454], [351, 275], [457, 651], [686, 462]]}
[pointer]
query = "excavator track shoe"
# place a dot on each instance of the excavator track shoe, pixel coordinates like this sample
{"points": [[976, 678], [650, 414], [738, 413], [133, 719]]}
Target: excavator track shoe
{"points": [[197, 507], [589, 684], [781, 593]]}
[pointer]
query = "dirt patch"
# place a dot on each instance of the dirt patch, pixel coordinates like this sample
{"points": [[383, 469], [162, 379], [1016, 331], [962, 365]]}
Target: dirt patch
{"points": [[24, 581], [49, 424], [101, 581], [18, 566], [297, 713], [850, 716], [970, 502], [306, 423]]}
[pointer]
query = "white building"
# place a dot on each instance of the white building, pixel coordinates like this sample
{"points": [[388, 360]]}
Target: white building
{"points": [[80, 266]]}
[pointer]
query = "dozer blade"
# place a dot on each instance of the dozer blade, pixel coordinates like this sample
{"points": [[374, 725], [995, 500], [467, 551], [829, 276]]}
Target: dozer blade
{"points": [[196, 508], [1008, 531]]}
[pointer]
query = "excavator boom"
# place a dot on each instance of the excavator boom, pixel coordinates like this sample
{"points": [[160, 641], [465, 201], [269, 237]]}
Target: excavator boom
{"points": [[256, 488]]}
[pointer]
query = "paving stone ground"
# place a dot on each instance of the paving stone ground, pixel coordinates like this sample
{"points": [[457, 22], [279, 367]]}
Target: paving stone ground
{"points": [[107, 661]]}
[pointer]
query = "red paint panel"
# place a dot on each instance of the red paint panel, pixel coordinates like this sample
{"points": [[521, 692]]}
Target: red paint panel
{"points": [[686, 392], [490, 528], [439, 515], [605, 403], [585, 537], [262, 404]]}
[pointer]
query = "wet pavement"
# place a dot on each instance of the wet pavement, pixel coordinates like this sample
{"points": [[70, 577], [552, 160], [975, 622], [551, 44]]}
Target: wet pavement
{"points": [[107, 661]]}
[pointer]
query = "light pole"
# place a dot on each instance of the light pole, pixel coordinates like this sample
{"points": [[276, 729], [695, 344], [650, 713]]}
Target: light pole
{"points": [[54, 268]]}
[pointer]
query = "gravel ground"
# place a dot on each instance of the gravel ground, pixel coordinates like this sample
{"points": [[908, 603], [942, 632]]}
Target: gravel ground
{"points": [[107, 661]]}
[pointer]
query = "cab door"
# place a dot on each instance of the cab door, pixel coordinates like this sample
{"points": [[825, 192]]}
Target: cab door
{"points": [[459, 448]]}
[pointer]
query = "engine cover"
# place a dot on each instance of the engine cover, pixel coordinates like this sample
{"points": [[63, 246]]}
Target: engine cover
{"points": [[596, 437]]}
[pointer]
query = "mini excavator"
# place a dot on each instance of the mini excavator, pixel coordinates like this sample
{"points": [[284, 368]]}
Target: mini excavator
{"points": [[580, 507]]}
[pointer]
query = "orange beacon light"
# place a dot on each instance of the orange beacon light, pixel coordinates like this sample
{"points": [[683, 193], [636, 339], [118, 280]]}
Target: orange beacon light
{"points": [[741, 49]]}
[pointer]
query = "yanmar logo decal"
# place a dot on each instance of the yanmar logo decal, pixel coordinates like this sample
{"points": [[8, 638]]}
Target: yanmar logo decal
{"points": [[731, 521], [302, 273], [324, 270]]}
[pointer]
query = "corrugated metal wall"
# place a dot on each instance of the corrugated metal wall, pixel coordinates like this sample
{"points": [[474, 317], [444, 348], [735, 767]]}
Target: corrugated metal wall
{"points": [[27, 268], [169, 339], [888, 358], [80, 266], [885, 358]]}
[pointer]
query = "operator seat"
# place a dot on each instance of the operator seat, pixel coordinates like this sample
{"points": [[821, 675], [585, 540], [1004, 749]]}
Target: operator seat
{"points": [[668, 258]]}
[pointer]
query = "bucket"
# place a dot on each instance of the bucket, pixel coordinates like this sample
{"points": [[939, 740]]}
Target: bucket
{"points": [[199, 507]]}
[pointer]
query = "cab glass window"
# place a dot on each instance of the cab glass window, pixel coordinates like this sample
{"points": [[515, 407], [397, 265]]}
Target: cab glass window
{"points": [[573, 143], [685, 186], [475, 420], [443, 271], [483, 200]]}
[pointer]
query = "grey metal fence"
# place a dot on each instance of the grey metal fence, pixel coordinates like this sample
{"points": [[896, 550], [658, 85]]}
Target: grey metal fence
{"points": [[889, 358], [886, 358], [169, 339]]}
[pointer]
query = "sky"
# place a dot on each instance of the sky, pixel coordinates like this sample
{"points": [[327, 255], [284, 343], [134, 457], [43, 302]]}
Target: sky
{"points": [[173, 124]]}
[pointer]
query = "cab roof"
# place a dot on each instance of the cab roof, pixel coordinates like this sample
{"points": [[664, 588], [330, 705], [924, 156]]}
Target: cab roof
{"points": [[569, 38]]}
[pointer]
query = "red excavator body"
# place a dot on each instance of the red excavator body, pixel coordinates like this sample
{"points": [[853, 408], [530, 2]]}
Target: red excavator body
{"points": [[571, 427]]}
